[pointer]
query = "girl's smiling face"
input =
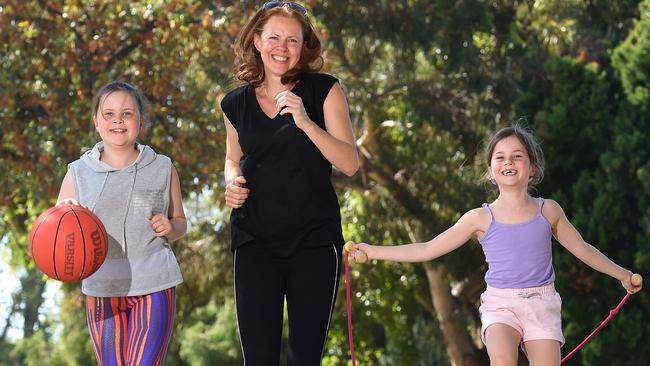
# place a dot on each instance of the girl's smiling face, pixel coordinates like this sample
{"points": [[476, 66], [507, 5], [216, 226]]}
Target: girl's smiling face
{"points": [[280, 44], [117, 119], [510, 163]]}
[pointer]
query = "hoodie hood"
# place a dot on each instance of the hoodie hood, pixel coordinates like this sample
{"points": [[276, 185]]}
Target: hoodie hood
{"points": [[91, 159]]}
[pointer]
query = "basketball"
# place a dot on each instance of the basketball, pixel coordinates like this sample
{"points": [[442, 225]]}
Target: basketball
{"points": [[68, 242]]}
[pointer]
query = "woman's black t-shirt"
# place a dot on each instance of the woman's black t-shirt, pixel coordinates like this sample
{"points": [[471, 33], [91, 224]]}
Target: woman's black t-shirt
{"points": [[292, 203]]}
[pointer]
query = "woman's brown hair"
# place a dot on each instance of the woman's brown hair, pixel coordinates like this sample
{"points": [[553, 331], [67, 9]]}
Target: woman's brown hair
{"points": [[248, 60]]}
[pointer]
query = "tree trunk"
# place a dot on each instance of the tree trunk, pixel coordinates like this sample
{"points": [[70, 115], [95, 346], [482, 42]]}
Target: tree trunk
{"points": [[32, 291], [459, 346], [3, 334]]}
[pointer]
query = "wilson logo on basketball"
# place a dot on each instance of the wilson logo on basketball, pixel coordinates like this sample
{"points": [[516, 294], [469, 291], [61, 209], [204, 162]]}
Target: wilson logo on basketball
{"points": [[98, 250], [69, 255]]}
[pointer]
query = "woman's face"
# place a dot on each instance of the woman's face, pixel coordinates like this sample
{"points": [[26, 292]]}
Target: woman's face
{"points": [[280, 44], [117, 119]]}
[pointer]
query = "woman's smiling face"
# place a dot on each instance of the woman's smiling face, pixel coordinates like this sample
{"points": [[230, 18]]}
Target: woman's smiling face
{"points": [[280, 44]]}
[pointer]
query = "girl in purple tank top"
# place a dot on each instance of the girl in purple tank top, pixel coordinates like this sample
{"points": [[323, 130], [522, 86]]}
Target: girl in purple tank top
{"points": [[520, 305]]}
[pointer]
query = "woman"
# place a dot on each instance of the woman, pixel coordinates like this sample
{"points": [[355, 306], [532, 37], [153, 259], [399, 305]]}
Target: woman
{"points": [[286, 127]]}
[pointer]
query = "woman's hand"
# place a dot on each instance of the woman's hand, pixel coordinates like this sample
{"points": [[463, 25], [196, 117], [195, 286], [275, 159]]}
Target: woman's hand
{"points": [[236, 194], [288, 102]]}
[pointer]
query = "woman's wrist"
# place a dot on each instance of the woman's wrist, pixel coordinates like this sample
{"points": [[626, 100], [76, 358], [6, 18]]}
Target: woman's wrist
{"points": [[309, 127]]}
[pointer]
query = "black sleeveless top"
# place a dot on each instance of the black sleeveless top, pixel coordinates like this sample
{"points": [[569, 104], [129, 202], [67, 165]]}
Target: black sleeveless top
{"points": [[292, 203]]}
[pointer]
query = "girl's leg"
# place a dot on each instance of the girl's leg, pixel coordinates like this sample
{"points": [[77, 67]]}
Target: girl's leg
{"points": [[131, 330], [311, 293], [259, 297], [151, 320], [108, 324], [502, 343], [543, 352]]}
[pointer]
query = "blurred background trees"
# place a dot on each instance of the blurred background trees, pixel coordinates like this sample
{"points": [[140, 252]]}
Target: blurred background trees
{"points": [[426, 82]]}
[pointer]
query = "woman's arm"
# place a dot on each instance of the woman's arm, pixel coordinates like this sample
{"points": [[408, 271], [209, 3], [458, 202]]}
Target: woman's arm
{"points": [[337, 143], [236, 194]]}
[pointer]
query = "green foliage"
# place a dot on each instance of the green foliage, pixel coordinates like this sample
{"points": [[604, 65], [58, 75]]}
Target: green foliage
{"points": [[390, 303], [595, 149], [74, 341], [580, 104], [212, 338], [37, 350], [631, 60]]}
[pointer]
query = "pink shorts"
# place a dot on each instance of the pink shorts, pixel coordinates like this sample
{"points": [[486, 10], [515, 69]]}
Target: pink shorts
{"points": [[535, 312]]}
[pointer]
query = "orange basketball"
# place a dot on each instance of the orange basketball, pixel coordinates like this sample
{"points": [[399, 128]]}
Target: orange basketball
{"points": [[68, 242]]}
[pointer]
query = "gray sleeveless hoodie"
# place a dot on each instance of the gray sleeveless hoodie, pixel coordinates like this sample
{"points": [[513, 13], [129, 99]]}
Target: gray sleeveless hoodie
{"points": [[138, 262]]}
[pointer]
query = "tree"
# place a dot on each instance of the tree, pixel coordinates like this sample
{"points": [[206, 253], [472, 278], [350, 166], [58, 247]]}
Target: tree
{"points": [[631, 61], [426, 81]]}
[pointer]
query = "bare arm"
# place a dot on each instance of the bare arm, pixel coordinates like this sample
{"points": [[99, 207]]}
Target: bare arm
{"points": [[336, 143], [447, 241], [67, 193], [176, 213], [567, 235], [236, 194], [173, 224]]}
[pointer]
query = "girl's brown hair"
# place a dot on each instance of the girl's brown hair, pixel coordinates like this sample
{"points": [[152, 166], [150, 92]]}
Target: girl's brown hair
{"points": [[123, 86], [532, 146], [248, 60]]}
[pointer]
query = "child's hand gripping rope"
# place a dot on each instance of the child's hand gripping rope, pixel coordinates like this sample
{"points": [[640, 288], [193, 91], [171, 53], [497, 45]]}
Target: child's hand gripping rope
{"points": [[358, 256], [632, 285], [356, 251]]}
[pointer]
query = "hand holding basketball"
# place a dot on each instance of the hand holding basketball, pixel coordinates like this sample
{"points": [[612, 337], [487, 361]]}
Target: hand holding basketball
{"points": [[69, 201], [68, 242]]}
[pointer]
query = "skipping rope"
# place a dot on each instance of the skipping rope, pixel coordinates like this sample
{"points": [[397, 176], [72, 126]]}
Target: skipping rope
{"points": [[349, 308], [636, 281]]}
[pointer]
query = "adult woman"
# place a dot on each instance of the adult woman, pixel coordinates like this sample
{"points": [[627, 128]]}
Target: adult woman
{"points": [[286, 127]]}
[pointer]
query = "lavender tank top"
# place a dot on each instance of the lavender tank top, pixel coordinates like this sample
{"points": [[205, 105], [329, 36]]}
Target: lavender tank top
{"points": [[518, 255]]}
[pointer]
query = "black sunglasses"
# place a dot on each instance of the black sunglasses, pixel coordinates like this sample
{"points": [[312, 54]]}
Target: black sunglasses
{"points": [[293, 6]]}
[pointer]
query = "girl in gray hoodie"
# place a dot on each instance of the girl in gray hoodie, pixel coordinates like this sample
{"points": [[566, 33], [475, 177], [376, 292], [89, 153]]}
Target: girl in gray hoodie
{"points": [[136, 193]]}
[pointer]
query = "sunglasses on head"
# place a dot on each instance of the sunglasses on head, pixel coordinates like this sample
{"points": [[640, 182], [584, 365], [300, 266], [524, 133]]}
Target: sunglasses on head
{"points": [[293, 6]]}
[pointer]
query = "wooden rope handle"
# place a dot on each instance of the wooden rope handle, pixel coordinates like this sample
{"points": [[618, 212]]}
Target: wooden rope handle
{"points": [[636, 279], [359, 256]]}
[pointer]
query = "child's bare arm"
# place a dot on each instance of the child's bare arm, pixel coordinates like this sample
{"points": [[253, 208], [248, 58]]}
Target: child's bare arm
{"points": [[567, 235], [442, 244]]}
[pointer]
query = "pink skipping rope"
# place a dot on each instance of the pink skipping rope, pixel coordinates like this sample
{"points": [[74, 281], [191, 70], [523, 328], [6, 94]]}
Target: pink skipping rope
{"points": [[590, 336], [349, 308], [567, 357]]}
